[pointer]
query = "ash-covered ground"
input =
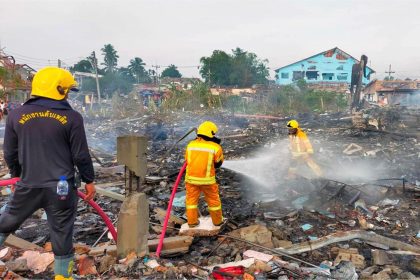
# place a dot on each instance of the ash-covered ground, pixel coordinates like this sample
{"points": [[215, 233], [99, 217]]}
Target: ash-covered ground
{"points": [[370, 184]]}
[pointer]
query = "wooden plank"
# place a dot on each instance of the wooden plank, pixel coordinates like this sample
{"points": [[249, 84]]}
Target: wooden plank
{"points": [[171, 245], [20, 243], [155, 179], [111, 184], [110, 194], [161, 213]]}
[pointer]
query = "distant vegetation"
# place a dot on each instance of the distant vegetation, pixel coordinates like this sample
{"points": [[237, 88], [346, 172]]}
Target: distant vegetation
{"points": [[238, 69], [10, 81], [115, 79], [171, 71], [241, 69], [284, 100]]}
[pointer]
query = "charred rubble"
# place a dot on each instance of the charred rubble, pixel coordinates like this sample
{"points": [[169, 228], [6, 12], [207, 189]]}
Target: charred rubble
{"points": [[360, 221]]}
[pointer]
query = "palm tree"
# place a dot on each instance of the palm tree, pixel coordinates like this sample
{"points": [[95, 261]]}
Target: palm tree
{"points": [[110, 57], [137, 68]]}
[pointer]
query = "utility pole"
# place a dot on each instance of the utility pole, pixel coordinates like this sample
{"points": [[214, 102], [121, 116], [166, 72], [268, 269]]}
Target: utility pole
{"points": [[157, 73], [157, 76], [357, 74], [389, 72], [94, 64]]}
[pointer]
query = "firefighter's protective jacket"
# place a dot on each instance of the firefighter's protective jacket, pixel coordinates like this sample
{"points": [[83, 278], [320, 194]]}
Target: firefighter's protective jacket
{"points": [[300, 144], [45, 139], [201, 157]]}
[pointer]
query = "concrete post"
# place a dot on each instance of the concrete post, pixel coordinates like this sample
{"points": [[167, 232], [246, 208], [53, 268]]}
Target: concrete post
{"points": [[133, 226], [133, 219], [132, 152]]}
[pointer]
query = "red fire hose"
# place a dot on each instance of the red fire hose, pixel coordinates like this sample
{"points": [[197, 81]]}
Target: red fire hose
{"points": [[92, 203], [8, 182], [101, 213], [168, 212]]}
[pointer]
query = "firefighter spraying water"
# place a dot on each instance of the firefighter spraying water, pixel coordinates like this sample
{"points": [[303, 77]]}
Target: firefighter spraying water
{"points": [[203, 155], [301, 150]]}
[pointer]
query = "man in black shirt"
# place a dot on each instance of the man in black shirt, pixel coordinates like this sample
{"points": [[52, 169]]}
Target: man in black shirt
{"points": [[45, 140]]}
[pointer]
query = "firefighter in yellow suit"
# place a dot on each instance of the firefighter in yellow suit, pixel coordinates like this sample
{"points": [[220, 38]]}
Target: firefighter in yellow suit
{"points": [[203, 155], [301, 150]]}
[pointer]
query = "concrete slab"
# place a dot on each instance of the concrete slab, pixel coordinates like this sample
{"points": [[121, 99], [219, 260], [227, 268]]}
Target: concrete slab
{"points": [[257, 255], [206, 228]]}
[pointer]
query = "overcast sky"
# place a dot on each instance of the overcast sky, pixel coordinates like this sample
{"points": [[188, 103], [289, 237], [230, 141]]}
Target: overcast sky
{"points": [[180, 32]]}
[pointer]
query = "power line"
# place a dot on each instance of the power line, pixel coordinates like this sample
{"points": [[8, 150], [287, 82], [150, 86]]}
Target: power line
{"points": [[30, 60], [41, 59], [166, 66], [27, 57], [75, 59]]}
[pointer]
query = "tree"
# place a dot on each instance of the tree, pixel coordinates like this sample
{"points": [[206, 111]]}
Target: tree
{"points": [[10, 80], [138, 71], [216, 68], [126, 74], [110, 58], [116, 81], [241, 68], [171, 71], [82, 66]]}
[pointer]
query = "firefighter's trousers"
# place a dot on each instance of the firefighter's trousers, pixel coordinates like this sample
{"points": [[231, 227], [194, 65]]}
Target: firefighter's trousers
{"points": [[305, 159], [60, 215], [211, 195]]}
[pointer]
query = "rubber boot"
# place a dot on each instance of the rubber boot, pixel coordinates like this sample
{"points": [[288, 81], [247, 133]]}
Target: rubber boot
{"points": [[63, 268], [61, 277], [3, 238], [194, 225]]}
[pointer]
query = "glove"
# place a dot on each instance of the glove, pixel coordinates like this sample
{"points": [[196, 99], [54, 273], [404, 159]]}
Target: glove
{"points": [[90, 191]]}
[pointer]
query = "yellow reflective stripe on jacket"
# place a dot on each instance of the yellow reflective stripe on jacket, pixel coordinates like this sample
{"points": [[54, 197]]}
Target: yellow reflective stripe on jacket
{"points": [[297, 143], [203, 145], [191, 206], [300, 144], [209, 165], [200, 181], [215, 208], [299, 154], [212, 151]]}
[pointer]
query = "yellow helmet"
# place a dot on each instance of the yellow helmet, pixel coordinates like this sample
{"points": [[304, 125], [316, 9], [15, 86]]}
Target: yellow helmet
{"points": [[53, 82], [293, 124], [208, 129]]}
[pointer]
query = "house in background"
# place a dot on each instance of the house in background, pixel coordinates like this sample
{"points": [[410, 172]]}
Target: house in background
{"points": [[331, 66], [15, 79], [179, 83], [394, 92]]}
